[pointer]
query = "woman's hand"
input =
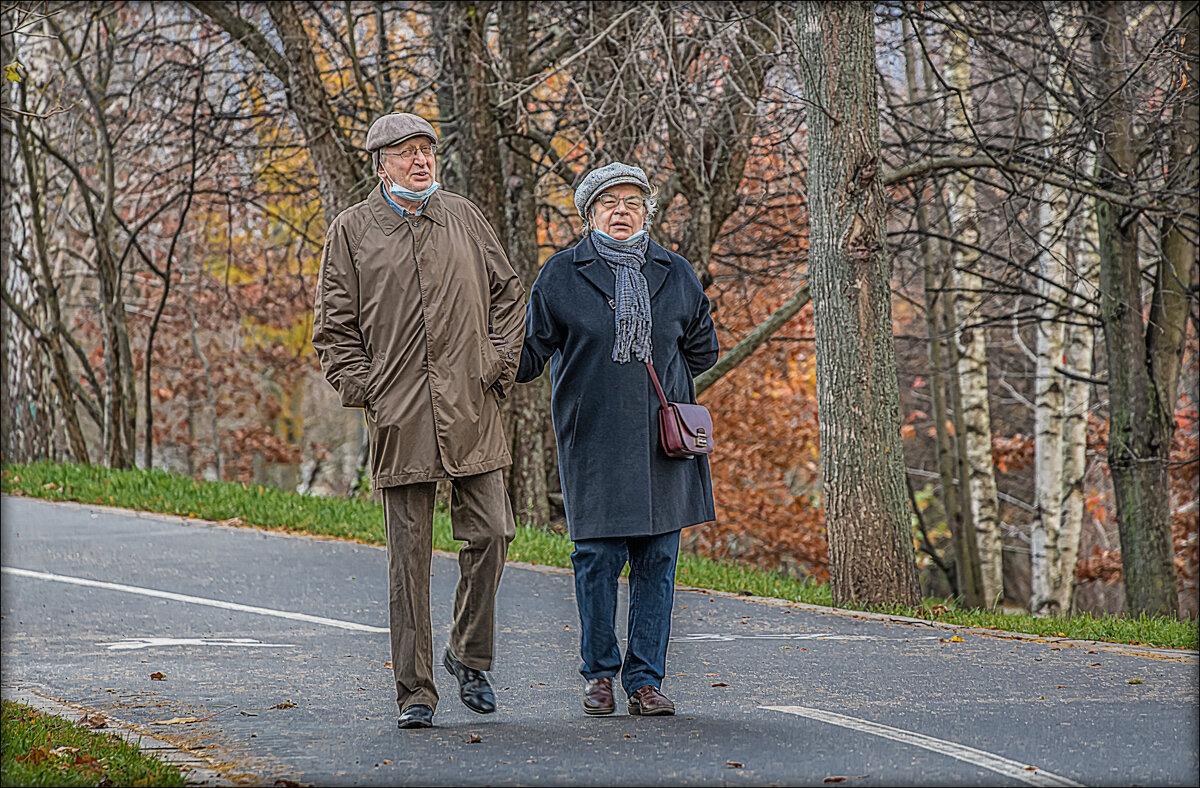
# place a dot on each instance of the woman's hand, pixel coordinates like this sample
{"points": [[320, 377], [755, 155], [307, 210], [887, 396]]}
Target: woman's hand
{"points": [[498, 341]]}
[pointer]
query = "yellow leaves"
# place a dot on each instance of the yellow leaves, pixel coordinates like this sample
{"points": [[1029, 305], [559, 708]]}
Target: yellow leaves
{"points": [[14, 71]]}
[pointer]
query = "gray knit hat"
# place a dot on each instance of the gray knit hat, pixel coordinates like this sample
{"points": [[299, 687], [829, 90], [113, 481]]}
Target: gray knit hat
{"points": [[600, 179]]}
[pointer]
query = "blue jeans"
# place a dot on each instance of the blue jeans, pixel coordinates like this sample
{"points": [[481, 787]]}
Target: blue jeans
{"points": [[598, 564]]}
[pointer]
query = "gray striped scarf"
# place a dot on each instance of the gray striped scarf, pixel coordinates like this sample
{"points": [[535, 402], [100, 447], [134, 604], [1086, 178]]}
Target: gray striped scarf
{"points": [[633, 322]]}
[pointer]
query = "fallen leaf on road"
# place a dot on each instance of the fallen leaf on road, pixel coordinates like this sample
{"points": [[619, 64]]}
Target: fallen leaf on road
{"points": [[720, 684], [385, 760], [1031, 768], [733, 764], [177, 721], [93, 721], [712, 674], [387, 664], [1134, 681], [158, 676], [287, 704], [834, 780], [231, 521], [1095, 665], [474, 738]]}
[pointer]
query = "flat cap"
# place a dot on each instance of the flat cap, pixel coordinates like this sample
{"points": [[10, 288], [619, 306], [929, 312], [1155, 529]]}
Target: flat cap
{"points": [[600, 179], [397, 127]]}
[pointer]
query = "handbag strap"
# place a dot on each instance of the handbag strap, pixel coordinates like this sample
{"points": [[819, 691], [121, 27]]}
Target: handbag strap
{"points": [[657, 387]]}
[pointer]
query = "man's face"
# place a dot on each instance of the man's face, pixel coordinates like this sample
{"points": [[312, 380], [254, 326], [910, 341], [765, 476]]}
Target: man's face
{"points": [[410, 164]]}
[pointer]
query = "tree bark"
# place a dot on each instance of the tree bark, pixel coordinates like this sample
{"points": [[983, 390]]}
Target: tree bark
{"points": [[971, 339], [1142, 377], [1044, 544], [530, 403], [968, 581], [866, 509], [1076, 400]]}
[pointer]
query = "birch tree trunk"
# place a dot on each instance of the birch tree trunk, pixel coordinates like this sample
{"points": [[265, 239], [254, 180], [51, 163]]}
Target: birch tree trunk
{"points": [[866, 510], [971, 338], [968, 583], [1052, 221], [1076, 403]]}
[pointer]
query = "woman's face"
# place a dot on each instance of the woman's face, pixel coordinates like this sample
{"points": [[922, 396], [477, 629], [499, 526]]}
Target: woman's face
{"points": [[620, 212]]}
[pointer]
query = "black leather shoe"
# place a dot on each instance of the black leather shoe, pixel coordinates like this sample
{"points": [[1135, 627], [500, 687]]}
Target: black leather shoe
{"points": [[416, 716], [473, 686]]}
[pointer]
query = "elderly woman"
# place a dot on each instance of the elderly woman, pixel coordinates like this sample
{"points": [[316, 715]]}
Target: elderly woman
{"points": [[596, 313]]}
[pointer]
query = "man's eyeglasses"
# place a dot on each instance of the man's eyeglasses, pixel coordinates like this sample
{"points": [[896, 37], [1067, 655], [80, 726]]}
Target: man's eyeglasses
{"points": [[407, 154], [632, 204]]}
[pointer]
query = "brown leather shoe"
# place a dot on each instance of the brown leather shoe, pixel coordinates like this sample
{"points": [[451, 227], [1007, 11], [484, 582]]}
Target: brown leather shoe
{"points": [[598, 697], [647, 701]]}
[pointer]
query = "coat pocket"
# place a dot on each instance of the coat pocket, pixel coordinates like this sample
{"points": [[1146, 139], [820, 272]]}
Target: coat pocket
{"points": [[373, 375], [491, 364]]}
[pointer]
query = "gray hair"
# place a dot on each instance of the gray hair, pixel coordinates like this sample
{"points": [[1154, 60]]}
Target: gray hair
{"points": [[651, 209]]}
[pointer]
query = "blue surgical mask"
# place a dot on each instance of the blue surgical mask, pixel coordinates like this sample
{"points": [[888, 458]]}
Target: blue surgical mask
{"points": [[404, 193], [627, 242]]}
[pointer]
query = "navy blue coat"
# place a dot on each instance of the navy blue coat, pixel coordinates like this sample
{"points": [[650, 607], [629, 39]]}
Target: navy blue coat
{"points": [[616, 480]]}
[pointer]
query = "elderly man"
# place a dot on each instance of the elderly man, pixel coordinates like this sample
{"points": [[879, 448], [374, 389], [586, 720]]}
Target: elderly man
{"points": [[419, 322]]}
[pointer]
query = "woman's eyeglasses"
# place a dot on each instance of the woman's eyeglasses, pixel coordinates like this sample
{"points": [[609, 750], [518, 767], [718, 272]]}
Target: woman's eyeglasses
{"points": [[632, 204]]}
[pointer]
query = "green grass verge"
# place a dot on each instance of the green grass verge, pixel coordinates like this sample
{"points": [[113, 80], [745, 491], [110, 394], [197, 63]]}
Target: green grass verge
{"points": [[42, 749], [158, 491]]}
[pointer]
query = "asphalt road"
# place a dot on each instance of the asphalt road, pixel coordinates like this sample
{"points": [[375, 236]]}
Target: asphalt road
{"points": [[242, 623]]}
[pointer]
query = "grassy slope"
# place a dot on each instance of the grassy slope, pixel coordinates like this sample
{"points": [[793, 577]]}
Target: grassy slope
{"points": [[42, 749], [158, 491]]}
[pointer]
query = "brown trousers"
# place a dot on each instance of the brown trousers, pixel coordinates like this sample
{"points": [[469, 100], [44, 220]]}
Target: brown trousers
{"points": [[480, 515]]}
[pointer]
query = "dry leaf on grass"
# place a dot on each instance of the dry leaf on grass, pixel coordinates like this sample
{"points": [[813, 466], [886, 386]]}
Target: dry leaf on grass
{"points": [[34, 757]]}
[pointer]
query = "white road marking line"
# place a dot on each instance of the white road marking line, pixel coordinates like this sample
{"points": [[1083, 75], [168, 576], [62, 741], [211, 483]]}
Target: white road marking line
{"points": [[195, 600], [131, 644], [986, 760], [705, 637]]}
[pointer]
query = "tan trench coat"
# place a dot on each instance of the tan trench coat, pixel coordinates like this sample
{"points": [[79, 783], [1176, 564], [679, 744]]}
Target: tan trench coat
{"points": [[403, 310]]}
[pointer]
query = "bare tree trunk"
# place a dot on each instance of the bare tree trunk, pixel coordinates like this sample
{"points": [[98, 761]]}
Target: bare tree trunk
{"points": [[967, 579], [529, 404], [49, 330], [1142, 359], [1044, 544], [218, 457], [862, 458], [1076, 401], [971, 338]]}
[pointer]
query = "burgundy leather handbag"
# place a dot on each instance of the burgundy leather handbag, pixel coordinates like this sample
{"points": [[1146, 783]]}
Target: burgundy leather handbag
{"points": [[685, 430]]}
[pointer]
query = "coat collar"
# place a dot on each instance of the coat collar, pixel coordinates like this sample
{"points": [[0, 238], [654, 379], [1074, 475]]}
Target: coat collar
{"points": [[390, 221], [597, 272]]}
